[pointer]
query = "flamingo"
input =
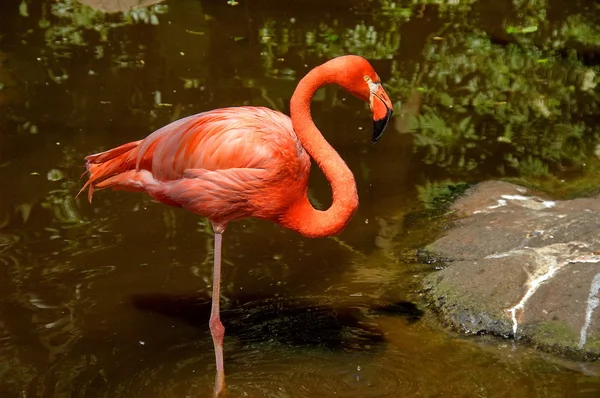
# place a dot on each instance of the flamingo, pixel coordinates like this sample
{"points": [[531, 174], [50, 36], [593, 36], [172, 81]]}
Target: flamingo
{"points": [[239, 162]]}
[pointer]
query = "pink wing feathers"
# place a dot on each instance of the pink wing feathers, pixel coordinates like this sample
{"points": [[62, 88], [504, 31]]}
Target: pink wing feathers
{"points": [[220, 139], [216, 163]]}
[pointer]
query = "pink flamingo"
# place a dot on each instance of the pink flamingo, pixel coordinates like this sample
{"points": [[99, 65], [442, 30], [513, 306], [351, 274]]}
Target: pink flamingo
{"points": [[232, 163]]}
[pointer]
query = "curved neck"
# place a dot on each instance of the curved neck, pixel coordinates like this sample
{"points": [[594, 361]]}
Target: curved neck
{"points": [[302, 216]]}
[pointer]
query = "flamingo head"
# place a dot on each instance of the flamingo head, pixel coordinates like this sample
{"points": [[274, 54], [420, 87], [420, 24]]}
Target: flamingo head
{"points": [[360, 79]]}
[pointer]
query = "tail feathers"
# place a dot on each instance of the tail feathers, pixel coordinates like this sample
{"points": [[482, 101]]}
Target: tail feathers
{"points": [[130, 180], [112, 153], [106, 165]]}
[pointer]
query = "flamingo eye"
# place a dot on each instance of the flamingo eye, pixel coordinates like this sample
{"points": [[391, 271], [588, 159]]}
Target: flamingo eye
{"points": [[367, 78]]}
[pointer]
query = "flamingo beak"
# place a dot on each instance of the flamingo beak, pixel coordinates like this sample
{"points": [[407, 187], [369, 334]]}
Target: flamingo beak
{"points": [[382, 109]]}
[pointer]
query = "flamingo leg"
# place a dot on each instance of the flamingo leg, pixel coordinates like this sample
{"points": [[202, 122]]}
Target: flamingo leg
{"points": [[217, 330]]}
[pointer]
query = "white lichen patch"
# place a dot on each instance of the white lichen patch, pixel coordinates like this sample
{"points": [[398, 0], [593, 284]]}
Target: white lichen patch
{"points": [[548, 266], [515, 197], [501, 203], [531, 202], [502, 255], [548, 261], [592, 302]]}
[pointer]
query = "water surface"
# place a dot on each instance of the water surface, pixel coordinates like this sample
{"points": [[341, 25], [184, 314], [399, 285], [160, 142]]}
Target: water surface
{"points": [[111, 299]]}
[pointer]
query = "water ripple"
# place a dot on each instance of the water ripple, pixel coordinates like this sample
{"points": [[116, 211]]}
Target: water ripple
{"points": [[321, 379], [322, 374]]}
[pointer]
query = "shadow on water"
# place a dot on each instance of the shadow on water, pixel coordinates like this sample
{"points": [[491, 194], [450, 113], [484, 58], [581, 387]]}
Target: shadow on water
{"points": [[110, 299], [310, 321]]}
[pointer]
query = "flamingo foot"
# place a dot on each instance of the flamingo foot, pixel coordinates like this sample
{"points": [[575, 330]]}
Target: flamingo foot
{"points": [[217, 330]]}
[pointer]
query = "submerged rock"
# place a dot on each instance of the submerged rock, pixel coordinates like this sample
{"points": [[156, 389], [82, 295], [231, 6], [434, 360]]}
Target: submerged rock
{"points": [[522, 266]]}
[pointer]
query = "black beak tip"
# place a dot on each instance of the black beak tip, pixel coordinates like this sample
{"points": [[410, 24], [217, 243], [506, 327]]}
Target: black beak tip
{"points": [[380, 125]]}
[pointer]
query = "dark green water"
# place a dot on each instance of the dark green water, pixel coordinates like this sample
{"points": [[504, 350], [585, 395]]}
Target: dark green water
{"points": [[112, 299]]}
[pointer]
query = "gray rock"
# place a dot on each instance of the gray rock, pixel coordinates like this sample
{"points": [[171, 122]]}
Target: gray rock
{"points": [[522, 266]]}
